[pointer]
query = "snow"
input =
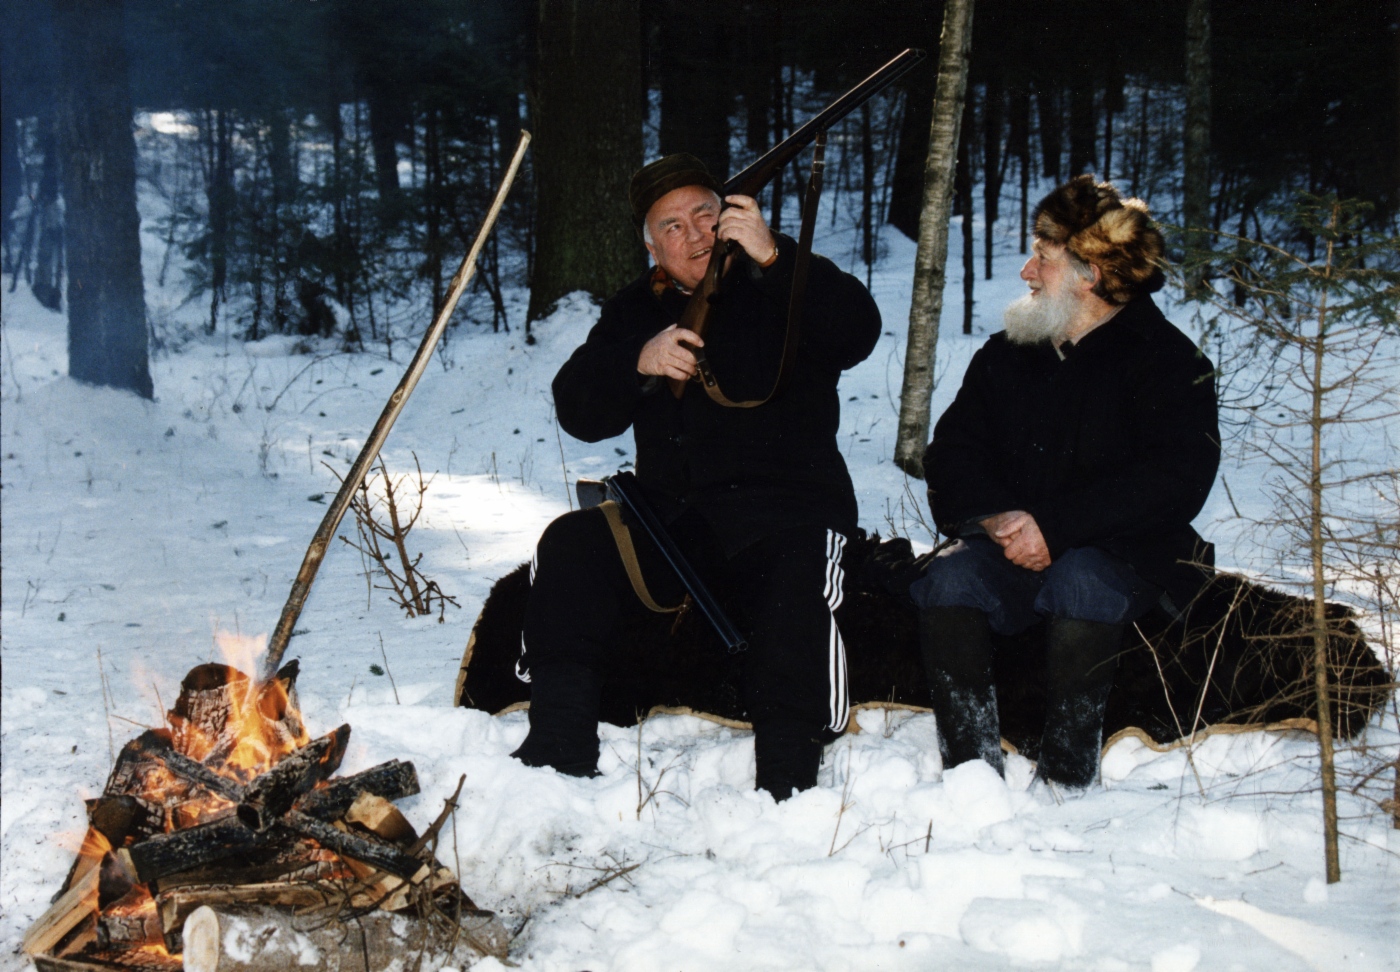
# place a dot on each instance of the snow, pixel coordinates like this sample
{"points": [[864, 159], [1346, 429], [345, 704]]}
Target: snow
{"points": [[138, 535]]}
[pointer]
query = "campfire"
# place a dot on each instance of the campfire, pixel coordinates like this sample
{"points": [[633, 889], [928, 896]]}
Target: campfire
{"points": [[221, 841], [225, 841]]}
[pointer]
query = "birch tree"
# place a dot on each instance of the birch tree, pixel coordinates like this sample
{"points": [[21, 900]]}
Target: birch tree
{"points": [[930, 262]]}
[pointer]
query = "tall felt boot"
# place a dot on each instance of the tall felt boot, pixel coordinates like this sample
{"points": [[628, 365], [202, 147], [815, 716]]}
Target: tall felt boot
{"points": [[957, 650], [1081, 658], [563, 719], [786, 759]]}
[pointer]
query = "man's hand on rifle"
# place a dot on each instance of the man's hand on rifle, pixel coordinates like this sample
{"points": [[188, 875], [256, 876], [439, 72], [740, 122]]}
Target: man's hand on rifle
{"points": [[666, 356], [743, 223]]}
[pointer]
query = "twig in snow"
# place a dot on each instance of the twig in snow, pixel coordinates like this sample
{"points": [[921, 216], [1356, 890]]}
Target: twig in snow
{"points": [[387, 670]]}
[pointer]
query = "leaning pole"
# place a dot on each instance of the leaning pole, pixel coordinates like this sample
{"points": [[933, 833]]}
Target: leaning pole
{"points": [[316, 553]]}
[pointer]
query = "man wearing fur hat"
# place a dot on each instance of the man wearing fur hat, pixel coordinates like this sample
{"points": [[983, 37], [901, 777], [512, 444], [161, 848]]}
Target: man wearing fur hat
{"points": [[758, 499], [1082, 443]]}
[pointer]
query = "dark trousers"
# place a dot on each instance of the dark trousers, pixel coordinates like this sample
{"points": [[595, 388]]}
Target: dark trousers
{"points": [[781, 591], [1083, 584]]}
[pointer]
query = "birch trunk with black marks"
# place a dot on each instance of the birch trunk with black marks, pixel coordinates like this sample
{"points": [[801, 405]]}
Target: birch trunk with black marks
{"points": [[930, 262]]}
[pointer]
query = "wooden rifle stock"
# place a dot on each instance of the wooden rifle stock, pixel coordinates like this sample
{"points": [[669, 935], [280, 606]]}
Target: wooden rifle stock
{"points": [[754, 177]]}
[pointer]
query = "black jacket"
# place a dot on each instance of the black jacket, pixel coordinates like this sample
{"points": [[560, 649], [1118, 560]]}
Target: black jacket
{"points": [[749, 472], [1115, 447]]}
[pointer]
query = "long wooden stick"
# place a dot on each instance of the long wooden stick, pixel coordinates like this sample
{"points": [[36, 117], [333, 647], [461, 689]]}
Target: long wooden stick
{"points": [[311, 563]]}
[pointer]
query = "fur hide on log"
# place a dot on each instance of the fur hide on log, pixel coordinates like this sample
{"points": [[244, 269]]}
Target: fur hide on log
{"points": [[1244, 646]]}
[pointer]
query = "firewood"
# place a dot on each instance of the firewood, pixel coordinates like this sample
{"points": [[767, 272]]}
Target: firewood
{"points": [[271, 795], [208, 696], [184, 850], [196, 772], [131, 922], [290, 858], [380, 817], [265, 939], [175, 906], [77, 903], [393, 780], [367, 850], [118, 817]]}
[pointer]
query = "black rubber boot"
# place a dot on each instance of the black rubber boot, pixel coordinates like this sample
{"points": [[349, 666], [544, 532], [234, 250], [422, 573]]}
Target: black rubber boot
{"points": [[563, 720], [957, 650], [786, 759], [1081, 658]]}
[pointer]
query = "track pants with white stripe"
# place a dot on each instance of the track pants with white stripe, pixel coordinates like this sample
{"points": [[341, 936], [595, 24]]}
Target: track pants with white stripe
{"points": [[781, 591]]}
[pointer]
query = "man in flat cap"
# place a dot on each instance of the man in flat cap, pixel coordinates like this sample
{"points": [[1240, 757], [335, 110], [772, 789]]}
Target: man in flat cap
{"points": [[758, 499], [1082, 443]]}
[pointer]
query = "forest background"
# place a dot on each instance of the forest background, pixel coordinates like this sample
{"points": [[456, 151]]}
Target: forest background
{"points": [[327, 162]]}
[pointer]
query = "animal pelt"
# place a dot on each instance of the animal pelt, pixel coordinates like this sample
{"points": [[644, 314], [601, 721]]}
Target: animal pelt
{"points": [[1240, 655]]}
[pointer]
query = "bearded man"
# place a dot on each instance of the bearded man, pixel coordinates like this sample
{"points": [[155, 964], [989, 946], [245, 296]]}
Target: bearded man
{"points": [[758, 499], [1082, 443]]}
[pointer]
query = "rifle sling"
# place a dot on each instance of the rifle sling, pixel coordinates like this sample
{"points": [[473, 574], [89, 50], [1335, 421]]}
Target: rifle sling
{"points": [[791, 338], [622, 536]]}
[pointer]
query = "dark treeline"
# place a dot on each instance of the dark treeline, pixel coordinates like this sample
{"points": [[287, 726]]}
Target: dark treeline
{"points": [[323, 164]]}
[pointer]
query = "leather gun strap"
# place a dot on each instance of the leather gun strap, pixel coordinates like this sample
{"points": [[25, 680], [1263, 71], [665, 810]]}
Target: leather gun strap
{"points": [[622, 536], [705, 376]]}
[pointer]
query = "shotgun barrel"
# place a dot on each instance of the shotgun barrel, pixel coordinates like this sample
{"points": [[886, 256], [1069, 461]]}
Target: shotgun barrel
{"points": [[623, 486], [754, 177]]}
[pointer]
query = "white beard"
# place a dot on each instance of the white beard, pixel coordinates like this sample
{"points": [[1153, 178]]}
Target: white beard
{"points": [[1033, 320]]}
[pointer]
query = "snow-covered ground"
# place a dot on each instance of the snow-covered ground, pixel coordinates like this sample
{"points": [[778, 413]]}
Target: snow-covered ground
{"points": [[139, 534]]}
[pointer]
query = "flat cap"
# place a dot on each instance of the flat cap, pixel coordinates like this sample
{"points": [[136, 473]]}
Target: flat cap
{"points": [[666, 174]]}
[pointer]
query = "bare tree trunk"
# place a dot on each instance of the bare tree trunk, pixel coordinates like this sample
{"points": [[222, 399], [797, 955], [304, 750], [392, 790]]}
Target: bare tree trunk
{"points": [[1047, 110], [962, 185], [107, 342], [911, 158], [1317, 423], [930, 261], [1195, 180], [695, 92], [46, 219], [867, 192], [1018, 143], [993, 108], [589, 142], [1082, 130]]}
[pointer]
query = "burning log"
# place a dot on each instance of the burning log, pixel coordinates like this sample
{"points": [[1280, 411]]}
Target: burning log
{"points": [[187, 849], [290, 860], [130, 922], [272, 794], [393, 780]]}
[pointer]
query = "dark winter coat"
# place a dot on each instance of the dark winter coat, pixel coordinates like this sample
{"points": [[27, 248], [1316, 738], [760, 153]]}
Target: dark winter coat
{"points": [[1115, 447], [749, 472]]}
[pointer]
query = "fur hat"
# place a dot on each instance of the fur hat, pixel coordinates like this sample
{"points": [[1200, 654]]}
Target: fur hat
{"points": [[1100, 227], [666, 174]]}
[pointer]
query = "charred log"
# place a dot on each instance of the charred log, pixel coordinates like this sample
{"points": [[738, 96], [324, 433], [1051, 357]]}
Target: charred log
{"points": [[377, 853], [185, 850], [393, 780], [271, 795]]}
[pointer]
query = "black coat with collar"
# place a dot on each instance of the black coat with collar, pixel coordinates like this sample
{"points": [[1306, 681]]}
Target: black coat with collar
{"points": [[749, 472], [1116, 446]]}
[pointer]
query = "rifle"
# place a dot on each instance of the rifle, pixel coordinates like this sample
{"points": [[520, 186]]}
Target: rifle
{"points": [[750, 182], [622, 489]]}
